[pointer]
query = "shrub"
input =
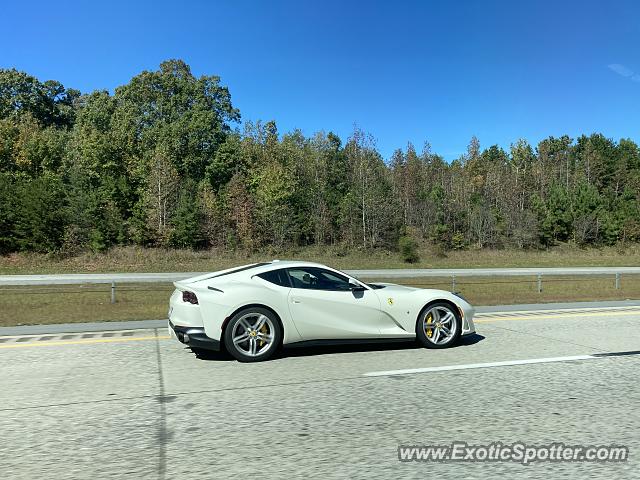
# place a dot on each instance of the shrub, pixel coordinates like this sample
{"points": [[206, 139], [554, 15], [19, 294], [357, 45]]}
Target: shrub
{"points": [[408, 247]]}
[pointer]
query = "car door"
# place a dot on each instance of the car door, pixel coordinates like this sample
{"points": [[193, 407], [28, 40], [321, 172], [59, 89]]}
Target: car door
{"points": [[323, 306]]}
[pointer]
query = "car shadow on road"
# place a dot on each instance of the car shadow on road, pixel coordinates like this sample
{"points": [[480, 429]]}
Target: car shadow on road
{"points": [[221, 356], [308, 351], [313, 350]]}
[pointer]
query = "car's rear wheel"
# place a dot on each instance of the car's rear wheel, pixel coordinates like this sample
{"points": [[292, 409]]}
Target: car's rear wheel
{"points": [[439, 325], [253, 334]]}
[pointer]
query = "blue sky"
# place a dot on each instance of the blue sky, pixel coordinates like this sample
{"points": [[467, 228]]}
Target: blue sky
{"points": [[436, 71]]}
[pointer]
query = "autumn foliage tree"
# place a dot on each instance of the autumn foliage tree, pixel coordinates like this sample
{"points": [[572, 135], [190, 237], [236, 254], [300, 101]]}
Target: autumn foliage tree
{"points": [[163, 161]]}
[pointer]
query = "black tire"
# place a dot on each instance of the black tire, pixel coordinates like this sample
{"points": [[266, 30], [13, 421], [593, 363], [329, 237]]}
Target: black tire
{"points": [[272, 327], [426, 335]]}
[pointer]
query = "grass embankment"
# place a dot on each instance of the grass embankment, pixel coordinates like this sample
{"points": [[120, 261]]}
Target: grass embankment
{"points": [[130, 259], [73, 303]]}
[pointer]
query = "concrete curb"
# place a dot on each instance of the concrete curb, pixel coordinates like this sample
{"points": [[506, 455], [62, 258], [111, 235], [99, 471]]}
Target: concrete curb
{"points": [[82, 327]]}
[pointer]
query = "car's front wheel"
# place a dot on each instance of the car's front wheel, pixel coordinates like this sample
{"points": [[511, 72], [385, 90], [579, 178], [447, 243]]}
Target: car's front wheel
{"points": [[439, 325], [253, 334]]}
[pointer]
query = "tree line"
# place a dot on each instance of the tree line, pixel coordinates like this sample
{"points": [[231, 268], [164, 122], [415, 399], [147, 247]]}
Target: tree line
{"points": [[164, 161]]}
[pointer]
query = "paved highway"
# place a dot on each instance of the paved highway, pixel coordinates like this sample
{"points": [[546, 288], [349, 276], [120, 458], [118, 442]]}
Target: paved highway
{"points": [[81, 278], [137, 404]]}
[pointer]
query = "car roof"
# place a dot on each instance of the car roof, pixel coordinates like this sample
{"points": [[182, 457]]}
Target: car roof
{"points": [[249, 270], [278, 264]]}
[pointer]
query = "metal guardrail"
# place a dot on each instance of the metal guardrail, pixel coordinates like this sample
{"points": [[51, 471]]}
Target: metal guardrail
{"points": [[95, 278], [119, 278], [491, 272], [499, 272], [79, 278]]}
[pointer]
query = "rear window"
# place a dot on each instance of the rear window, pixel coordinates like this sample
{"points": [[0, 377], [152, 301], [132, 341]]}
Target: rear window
{"points": [[241, 269], [277, 277]]}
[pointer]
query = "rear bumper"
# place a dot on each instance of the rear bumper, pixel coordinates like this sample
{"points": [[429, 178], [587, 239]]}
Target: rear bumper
{"points": [[194, 337]]}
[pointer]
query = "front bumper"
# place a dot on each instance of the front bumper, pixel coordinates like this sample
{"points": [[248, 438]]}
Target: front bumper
{"points": [[468, 326], [466, 312], [194, 337]]}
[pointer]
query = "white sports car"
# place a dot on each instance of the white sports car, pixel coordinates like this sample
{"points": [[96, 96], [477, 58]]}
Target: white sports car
{"points": [[253, 310]]}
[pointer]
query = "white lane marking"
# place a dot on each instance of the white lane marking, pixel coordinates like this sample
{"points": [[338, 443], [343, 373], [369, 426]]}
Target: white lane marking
{"points": [[555, 316], [470, 366], [557, 310]]}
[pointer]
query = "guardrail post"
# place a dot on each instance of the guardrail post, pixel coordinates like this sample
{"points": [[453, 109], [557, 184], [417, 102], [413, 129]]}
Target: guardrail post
{"points": [[453, 283], [113, 292], [539, 283], [617, 281]]}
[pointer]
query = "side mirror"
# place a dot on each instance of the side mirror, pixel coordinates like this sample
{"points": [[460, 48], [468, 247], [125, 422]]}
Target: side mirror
{"points": [[356, 287]]}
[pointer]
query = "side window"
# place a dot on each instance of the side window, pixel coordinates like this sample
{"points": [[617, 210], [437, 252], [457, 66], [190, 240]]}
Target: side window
{"points": [[317, 279], [279, 277]]}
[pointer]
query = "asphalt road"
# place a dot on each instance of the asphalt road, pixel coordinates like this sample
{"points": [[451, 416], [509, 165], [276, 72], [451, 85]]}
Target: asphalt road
{"points": [[137, 404], [79, 278]]}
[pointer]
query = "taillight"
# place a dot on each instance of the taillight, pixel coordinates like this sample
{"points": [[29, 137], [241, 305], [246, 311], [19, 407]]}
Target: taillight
{"points": [[189, 297]]}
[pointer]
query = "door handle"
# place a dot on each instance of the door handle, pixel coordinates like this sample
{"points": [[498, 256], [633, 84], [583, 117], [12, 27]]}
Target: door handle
{"points": [[295, 300]]}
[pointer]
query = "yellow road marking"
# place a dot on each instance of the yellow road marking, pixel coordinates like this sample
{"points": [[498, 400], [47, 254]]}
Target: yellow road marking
{"points": [[166, 337], [550, 317], [83, 342]]}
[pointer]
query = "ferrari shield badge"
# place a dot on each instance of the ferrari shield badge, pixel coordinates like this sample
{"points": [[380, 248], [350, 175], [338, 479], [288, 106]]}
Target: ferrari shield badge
{"points": [[390, 301]]}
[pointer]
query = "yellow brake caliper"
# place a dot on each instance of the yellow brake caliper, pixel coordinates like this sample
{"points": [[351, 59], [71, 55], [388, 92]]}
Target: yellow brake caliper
{"points": [[429, 330], [264, 331]]}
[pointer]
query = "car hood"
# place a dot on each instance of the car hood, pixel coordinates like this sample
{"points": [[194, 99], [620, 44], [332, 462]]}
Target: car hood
{"points": [[395, 288]]}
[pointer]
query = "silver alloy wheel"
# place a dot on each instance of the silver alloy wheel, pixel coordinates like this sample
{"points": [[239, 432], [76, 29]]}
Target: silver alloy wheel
{"points": [[439, 324], [253, 334]]}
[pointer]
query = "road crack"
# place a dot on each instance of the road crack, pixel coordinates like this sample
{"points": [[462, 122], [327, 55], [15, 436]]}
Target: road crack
{"points": [[163, 433]]}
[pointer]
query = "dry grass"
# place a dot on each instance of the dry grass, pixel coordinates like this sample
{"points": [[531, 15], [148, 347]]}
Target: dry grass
{"points": [[73, 303], [86, 303], [135, 259], [516, 290]]}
